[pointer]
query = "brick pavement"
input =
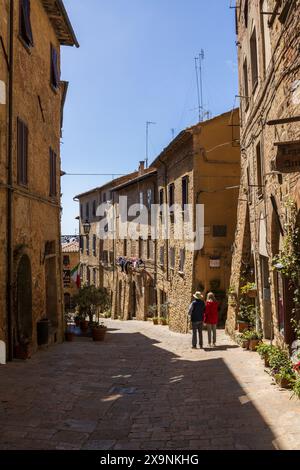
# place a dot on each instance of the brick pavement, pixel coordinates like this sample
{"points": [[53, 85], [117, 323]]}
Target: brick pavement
{"points": [[144, 388]]}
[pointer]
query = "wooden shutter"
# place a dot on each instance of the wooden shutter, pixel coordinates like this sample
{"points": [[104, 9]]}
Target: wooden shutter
{"points": [[53, 186], [22, 152], [184, 191], [25, 24], [54, 68]]}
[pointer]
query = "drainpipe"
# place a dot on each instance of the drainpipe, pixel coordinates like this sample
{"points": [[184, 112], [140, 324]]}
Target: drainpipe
{"points": [[9, 280]]}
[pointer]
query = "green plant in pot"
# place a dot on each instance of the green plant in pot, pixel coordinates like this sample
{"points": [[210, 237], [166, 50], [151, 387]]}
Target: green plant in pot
{"points": [[285, 377], [90, 299], [278, 358], [254, 339], [265, 350], [155, 320], [247, 315], [296, 387], [69, 333], [249, 289], [244, 339]]}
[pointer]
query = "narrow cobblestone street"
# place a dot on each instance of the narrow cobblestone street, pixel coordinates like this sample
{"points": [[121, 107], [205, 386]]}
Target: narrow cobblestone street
{"points": [[144, 388]]}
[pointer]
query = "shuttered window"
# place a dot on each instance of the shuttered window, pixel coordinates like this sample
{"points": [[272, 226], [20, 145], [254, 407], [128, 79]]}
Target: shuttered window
{"points": [[171, 197], [53, 185], [254, 60], [22, 152], [54, 72], [94, 245], [172, 257], [182, 260], [185, 183], [25, 24]]}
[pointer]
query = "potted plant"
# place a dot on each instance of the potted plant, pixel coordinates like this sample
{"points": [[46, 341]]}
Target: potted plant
{"points": [[265, 350], [296, 388], [285, 377], [162, 321], [246, 315], [99, 331], [249, 289], [90, 299], [278, 358], [152, 310], [155, 320], [244, 339], [23, 349], [254, 339]]}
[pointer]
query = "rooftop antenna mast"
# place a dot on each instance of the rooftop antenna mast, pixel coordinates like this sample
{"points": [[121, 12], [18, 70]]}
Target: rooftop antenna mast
{"points": [[148, 123], [198, 88], [201, 58]]}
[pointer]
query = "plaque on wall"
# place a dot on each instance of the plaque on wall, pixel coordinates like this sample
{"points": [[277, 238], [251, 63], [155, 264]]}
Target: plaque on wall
{"points": [[288, 156]]}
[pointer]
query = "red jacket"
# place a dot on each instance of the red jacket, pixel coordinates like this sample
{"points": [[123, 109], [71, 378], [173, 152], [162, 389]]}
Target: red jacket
{"points": [[211, 313]]}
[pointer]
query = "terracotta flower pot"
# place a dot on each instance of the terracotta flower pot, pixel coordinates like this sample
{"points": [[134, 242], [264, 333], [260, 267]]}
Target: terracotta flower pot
{"points": [[23, 351], [267, 361], [283, 382], [245, 344], [69, 336], [84, 325], [252, 293], [253, 343], [242, 326], [98, 334], [155, 321]]}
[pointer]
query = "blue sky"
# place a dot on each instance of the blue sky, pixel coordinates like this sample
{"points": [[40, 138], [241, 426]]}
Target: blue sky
{"points": [[136, 64]]}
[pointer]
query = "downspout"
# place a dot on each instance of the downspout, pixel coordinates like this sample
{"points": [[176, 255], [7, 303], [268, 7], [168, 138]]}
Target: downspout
{"points": [[9, 280]]}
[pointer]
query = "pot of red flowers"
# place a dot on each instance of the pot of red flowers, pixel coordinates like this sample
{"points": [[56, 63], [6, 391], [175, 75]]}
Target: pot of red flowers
{"points": [[99, 331]]}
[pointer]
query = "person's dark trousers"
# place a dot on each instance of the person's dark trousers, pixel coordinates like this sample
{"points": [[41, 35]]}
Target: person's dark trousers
{"points": [[197, 326]]}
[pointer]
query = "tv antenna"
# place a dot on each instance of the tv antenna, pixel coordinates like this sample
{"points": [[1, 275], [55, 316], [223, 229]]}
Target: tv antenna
{"points": [[198, 68], [148, 123]]}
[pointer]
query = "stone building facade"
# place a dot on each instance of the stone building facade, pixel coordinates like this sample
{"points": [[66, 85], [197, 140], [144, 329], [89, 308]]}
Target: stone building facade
{"points": [[97, 253], [200, 166], [268, 54], [135, 255], [31, 102], [71, 271]]}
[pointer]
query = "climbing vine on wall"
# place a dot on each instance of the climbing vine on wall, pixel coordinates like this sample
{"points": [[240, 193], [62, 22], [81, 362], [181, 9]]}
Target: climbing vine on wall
{"points": [[288, 260]]}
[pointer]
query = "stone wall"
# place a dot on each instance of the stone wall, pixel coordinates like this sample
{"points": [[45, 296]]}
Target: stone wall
{"points": [[275, 96]]}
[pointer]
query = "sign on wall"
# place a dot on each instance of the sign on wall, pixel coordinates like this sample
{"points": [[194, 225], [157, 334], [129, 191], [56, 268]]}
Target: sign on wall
{"points": [[214, 262], [288, 156]]}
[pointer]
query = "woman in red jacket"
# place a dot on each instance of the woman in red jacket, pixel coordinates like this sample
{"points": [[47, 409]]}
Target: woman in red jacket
{"points": [[211, 317]]}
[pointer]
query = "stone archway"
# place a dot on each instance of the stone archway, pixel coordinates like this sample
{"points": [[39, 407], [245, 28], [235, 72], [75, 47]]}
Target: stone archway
{"points": [[24, 301]]}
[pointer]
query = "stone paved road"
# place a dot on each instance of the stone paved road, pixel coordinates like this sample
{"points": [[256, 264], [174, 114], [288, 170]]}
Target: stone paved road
{"points": [[144, 388]]}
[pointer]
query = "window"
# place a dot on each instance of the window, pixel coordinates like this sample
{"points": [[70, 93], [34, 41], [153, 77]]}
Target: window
{"points": [[66, 260], [25, 30], [162, 256], [87, 210], [161, 201], [87, 245], [285, 10], [54, 72], [219, 231], [53, 186], [141, 247], [265, 34], [246, 8], [104, 197], [94, 208], [172, 257], [124, 247], [171, 198], [81, 243], [259, 170], [88, 276], [141, 199], [81, 211], [94, 245], [246, 88], [94, 276], [22, 153], [149, 197], [254, 64], [249, 187], [111, 257], [150, 248], [184, 191], [105, 256], [182, 260]]}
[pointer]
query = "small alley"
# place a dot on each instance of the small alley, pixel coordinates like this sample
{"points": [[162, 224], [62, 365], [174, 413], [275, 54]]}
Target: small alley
{"points": [[144, 388]]}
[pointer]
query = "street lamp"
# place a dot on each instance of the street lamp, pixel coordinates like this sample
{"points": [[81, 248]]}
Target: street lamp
{"points": [[86, 227]]}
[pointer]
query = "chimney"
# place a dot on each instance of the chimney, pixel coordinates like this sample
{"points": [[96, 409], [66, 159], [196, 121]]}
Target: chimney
{"points": [[142, 167]]}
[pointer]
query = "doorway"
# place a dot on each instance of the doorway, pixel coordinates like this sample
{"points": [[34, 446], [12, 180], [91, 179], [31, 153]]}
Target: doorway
{"points": [[24, 302]]}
